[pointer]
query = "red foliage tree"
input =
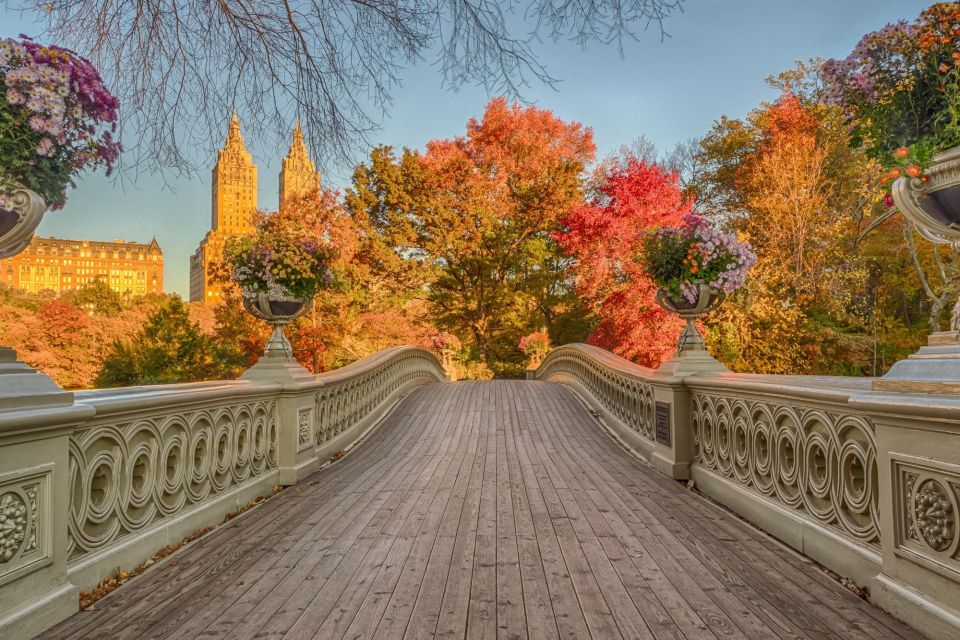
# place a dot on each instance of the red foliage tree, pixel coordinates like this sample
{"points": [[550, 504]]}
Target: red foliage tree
{"points": [[604, 234]]}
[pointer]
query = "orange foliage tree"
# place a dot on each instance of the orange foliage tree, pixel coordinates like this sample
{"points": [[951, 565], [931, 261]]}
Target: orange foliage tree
{"points": [[467, 225], [605, 235]]}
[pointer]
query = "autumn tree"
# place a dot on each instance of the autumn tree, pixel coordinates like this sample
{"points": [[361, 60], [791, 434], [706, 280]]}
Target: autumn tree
{"points": [[605, 234], [170, 348], [467, 224], [787, 178]]}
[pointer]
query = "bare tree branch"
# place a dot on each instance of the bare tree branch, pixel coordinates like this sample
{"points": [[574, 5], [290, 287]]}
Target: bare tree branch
{"points": [[180, 66]]}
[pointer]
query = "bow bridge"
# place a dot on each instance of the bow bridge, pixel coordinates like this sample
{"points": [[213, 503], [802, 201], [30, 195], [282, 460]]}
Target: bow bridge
{"points": [[598, 499]]}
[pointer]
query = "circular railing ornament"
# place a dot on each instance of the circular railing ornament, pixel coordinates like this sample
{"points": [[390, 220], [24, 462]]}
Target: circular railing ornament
{"points": [[934, 515]]}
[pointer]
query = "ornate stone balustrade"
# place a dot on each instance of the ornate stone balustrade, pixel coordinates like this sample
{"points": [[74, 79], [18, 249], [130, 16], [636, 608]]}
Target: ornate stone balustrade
{"points": [[622, 388], [105, 482], [866, 482], [359, 389], [791, 453], [152, 458]]}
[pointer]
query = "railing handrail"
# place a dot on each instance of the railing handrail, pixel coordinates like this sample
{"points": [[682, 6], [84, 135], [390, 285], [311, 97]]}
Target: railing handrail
{"points": [[603, 356], [367, 364]]}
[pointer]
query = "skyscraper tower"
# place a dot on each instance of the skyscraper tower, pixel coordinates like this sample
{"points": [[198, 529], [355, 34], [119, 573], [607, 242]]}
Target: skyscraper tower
{"points": [[298, 176], [234, 204]]}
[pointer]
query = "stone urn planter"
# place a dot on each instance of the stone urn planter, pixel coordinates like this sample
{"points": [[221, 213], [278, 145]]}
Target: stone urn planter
{"points": [[278, 314], [933, 205], [708, 299], [19, 222]]}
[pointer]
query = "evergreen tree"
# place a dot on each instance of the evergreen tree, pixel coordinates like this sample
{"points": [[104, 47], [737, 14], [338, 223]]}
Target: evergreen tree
{"points": [[170, 348]]}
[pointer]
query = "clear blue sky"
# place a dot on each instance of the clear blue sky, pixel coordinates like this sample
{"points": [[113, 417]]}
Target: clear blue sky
{"points": [[714, 63]]}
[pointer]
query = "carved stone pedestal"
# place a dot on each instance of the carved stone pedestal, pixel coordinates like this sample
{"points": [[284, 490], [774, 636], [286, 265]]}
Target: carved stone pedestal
{"points": [[935, 368], [690, 362]]}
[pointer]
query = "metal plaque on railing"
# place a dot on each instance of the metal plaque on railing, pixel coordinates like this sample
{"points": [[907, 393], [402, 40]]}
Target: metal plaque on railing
{"points": [[663, 423]]}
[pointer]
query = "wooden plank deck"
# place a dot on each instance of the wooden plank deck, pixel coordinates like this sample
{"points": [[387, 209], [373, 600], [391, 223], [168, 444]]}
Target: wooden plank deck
{"points": [[485, 510]]}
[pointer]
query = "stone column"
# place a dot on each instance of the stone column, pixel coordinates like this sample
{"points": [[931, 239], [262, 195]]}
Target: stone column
{"points": [[34, 515], [918, 461]]}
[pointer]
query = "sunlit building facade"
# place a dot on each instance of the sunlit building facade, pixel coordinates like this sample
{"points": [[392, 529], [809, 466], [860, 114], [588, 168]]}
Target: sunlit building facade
{"points": [[52, 264]]}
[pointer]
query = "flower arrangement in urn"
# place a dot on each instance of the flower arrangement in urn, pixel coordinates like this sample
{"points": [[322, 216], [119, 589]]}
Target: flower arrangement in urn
{"points": [[278, 266], [679, 260], [278, 273], [56, 119], [695, 266], [900, 90]]}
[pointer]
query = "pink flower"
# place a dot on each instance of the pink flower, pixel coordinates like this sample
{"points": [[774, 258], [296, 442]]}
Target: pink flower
{"points": [[45, 146], [37, 123], [14, 97]]}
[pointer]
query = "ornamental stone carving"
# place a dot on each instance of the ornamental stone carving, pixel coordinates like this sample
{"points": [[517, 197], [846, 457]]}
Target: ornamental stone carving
{"points": [[934, 516], [343, 404], [126, 475], [13, 525], [926, 494], [304, 428], [820, 462]]}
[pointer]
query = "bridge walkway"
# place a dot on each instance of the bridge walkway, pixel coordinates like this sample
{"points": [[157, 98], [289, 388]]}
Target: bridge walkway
{"points": [[485, 510]]}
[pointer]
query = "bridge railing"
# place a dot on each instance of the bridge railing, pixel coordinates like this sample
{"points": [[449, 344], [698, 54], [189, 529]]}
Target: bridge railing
{"points": [[105, 482], [865, 482]]}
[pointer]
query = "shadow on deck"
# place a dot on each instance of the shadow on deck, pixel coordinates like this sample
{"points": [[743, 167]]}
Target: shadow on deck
{"points": [[482, 510]]}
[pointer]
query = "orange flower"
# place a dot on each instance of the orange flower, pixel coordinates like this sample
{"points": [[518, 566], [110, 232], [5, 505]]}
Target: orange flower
{"points": [[943, 68], [894, 173], [901, 152], [914, 171], [955, 55]]}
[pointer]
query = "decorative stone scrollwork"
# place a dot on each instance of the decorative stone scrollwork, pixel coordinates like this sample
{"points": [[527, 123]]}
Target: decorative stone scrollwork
{"points": [[13, 525], [623, 395], [926, 500], [822, 463], [933, 515], [24, 536], [344, 403], [125, 475], [304, 428]]}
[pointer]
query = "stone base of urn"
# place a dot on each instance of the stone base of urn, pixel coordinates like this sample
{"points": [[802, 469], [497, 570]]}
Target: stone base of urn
{"points": [[691, 356], [23, 387], [277, 369], [277, 364], [935, 368], [691, 362]]}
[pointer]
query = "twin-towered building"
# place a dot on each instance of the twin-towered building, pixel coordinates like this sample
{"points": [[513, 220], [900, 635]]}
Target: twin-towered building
{"points": [[234, 202]]}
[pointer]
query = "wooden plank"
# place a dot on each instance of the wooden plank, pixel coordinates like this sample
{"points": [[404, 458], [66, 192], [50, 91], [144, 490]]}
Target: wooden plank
{"points": [[540, 616], [482, 608], [399, 609]]}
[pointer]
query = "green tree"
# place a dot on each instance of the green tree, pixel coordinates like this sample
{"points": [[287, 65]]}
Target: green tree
{"points": [[169, 349], [97, 298], [468, 226]]}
